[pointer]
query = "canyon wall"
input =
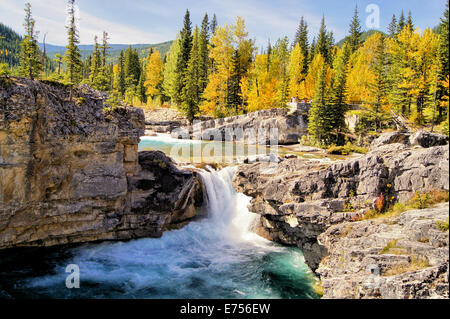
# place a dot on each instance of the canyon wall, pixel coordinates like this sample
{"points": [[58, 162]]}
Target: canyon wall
{"points": [[313, 205], [70, 170]]}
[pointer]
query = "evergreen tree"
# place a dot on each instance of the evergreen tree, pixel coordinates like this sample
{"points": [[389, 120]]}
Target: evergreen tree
{"points": [[379, 88], [121, 75], [72, 56], [59, 61], [409, 22], [392, 28], [234, 90], [324, 43], [443, 63], [141, 89], [320, 123], [301, 38], [95, 63], [104, 47], [213, 24], [132, 68], [30, 57], [183, 57], [354, 40], [204, 53], [401, 23], [338, 101], [192, 86]]}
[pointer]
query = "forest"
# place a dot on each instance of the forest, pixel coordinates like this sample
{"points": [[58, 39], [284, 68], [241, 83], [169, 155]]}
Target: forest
{"points": [[217, 70]]}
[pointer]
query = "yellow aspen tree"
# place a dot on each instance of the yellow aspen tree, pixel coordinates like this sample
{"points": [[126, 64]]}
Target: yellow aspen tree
{"points": [[295, 71], [153, 74]]}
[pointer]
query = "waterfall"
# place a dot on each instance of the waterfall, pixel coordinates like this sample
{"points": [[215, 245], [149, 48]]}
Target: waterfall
{"points": [[226, 208], [214, 257]]}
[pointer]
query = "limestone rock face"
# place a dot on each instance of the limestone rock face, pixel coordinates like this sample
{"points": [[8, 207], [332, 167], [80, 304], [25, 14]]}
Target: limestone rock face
{"points": [[363, 264], [255, 127], [65, 166], [299, 200]]}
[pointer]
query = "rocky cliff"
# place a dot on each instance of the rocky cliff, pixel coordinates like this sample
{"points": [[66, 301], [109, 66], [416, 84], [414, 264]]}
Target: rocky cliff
{"points": [[258, 127], [70, 170], [300, 200]]}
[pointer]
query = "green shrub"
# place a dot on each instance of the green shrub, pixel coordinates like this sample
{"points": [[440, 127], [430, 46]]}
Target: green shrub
{"points": [[347, 149], [442, 225]]}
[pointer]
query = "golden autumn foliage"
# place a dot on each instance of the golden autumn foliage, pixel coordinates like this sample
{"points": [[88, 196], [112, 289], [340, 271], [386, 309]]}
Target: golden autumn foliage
{"points": [[153, 74]]}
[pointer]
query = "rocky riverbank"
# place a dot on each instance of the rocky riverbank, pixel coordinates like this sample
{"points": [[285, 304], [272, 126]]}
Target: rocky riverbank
{"points": [[305, 203], [70, 170]]}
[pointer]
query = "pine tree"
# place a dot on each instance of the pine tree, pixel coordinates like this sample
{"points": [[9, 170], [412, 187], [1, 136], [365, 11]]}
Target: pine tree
{"points": [[234, 90], [59, 61], [30, 57], [338, 101], [301, 38], [401, 23], [409, 22], [392, 28], [192, 86], [379, 88], [121, 75], [324, 43], [443, 63], [183, 57], [213, 24], [132, 67], [320, 123], [141, 89], [104, 47], [204, 53], [72, 56], [95, 63], [354, 40]]}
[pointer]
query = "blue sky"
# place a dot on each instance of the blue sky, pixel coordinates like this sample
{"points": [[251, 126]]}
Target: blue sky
{"points": [[150, 21]]}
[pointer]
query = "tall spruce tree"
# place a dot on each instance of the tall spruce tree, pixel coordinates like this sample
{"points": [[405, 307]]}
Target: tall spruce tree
{"points": [[324, 43], [204, 52], [213, 24], [320, 121], [183, 57], [73, 56], [234, 99], [104, 47], [301, 37], [354, 40], [392, 28], [379, 88], [95, 62], [443, 62], [30, 56], [409, 22], [401, 22], [121, 75], [192, 86], [338, 101]]}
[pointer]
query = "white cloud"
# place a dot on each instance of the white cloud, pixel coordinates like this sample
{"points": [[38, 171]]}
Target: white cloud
{"points": [[50, 16]]}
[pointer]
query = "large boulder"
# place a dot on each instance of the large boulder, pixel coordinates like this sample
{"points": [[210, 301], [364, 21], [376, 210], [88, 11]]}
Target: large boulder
{"points": [[66, 160], [299, 199]]}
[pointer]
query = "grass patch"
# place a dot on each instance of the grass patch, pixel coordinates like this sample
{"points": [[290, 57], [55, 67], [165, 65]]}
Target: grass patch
{"points": [[418, 201], [442, 225], [317, 287], [392, 244], [416, 263], [347, 149]]}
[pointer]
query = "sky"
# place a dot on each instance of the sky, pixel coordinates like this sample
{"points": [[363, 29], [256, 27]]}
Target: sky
{"points": [[154, 21]]}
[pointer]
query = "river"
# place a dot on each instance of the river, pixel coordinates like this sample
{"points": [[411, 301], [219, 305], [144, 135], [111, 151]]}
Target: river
{"points": [[215, 257]]}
